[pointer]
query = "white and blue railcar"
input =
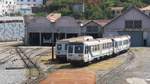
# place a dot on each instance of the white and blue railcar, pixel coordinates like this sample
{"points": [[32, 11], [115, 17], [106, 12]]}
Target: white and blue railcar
{"points": [[121, 43], [61, 46], [87, 51], [80, 52], [106, 46]]}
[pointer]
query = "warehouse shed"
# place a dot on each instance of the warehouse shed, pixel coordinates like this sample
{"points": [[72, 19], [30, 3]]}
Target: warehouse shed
{"points": [[92, 28], [67, 27], [132, 22], [41, 32]]}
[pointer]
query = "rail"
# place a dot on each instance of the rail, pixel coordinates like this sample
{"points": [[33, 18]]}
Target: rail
{"points": [[104, 79], [29, 64]]}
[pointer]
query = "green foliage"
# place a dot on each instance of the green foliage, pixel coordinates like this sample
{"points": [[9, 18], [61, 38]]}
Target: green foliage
{"points": [[99, 10], [40, 14]]}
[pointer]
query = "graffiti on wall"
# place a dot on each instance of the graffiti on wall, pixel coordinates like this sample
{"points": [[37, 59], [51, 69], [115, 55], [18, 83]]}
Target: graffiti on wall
{"points": [[10, 31]]}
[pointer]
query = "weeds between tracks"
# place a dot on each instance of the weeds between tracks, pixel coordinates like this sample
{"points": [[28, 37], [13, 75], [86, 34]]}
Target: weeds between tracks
{"points": [[30, 65], [106, 78]]}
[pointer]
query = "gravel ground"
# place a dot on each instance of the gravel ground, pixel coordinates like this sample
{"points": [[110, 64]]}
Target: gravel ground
{"points": [[136, 72], [11, 76], [12, 68]]}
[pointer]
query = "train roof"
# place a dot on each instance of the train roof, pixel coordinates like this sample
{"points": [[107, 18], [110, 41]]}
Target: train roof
{"points": [[102, 40], [94, 41], [124, 37], [74, 39]]}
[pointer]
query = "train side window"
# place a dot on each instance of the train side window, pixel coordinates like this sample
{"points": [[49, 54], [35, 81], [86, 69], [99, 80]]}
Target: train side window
{"points": [[89, 48], [117, 44], [104, 46], [107, 45], [95, 48], [65, 46], [70, 49], [92, 48], [86, 49], [98, 47], [124, 42]]}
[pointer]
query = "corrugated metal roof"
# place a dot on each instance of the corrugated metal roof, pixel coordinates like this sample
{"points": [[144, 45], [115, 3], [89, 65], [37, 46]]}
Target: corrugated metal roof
{"points": [[40, 24], [66, 21]]}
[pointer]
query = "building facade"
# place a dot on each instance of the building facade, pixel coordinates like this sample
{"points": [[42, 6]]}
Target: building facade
{"points": [[7, 7], [31, 3], [11, 28], [25, 6], [92, 28], [116, 11], [132, 22], [41, 31]]}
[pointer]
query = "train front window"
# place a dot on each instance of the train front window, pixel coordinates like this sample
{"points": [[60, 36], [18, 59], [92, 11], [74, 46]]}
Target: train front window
{"points": [[79, 48], [59, 47], [70, 49]]}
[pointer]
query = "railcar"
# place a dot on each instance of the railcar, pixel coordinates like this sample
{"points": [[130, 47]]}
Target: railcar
{"points": [[121, 43], [61, 46], [106, 46], [81, 52]]}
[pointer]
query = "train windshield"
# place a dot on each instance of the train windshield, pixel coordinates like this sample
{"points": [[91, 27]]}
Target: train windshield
{"points": [[70, 49], [75, 48], [59, 46], [79, 48]]}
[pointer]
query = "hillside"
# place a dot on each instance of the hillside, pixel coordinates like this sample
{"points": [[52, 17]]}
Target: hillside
{"points": [[93, 9]]}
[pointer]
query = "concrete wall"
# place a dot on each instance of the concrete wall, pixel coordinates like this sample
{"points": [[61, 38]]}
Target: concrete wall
{"points": [[12, 28]]}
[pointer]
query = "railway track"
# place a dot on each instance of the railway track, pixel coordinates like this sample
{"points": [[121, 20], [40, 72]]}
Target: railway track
{"points": [[29, 64], [105, 79], [7, 57]]}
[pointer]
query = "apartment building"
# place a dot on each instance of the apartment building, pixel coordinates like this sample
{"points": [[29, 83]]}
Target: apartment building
{"points": [[7, 7], [25, 6]]}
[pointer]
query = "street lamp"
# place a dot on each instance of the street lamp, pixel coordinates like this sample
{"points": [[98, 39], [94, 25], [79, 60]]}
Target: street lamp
{"points": [[81, 30]]}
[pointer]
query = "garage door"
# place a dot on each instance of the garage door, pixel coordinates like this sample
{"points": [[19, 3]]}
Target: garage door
{"points": [[34, 39], [148, 38], [136, 38]]}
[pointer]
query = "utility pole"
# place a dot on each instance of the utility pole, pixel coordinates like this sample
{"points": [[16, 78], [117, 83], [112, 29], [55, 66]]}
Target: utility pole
{"points": [[53, 44], [83, 8]]}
